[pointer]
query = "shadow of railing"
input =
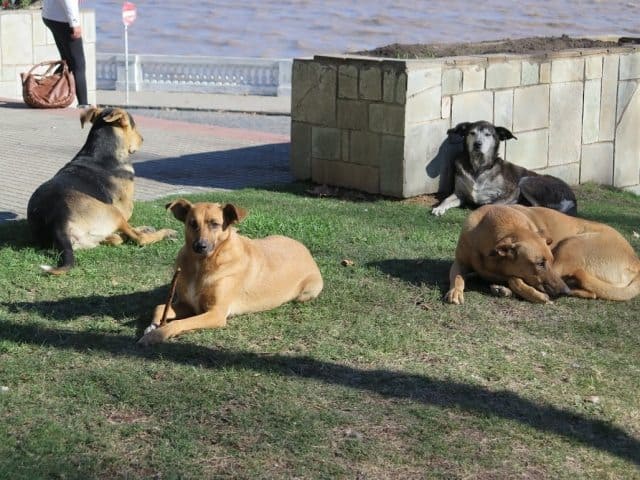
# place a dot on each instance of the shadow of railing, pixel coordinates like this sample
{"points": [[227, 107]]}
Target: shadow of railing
{"points": [[421, 389]]}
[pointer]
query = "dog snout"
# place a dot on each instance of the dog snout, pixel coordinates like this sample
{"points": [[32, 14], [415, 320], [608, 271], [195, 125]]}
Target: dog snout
{"points": [[477, 145], [556, 287], [200, 246]]}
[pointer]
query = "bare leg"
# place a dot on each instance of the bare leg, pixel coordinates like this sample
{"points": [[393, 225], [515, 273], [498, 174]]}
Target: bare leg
{"points": [[456, 284], [527, 292]]}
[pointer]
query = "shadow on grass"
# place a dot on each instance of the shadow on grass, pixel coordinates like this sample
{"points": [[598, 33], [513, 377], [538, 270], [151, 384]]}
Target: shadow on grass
{"points": [[138, 305], [15, 234], [431, 272], [422, 389]]}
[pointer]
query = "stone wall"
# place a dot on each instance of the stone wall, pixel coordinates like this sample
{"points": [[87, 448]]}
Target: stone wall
{"points": [[25, 41], [380, 125]]}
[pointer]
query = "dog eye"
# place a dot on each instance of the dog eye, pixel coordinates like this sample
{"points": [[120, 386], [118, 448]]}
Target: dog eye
{"points": [[213, 224], [542, 263], [193, 224]]}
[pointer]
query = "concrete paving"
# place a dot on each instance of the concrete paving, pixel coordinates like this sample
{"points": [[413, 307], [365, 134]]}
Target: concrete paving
{"points": [[177, 158]]}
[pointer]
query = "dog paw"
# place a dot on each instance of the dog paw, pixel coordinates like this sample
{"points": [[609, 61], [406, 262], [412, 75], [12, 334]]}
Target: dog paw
{"points": [[170, 234], [152, 337], [455, 296], [500, 291], [144, 229], [438, 211], [150, 328]]}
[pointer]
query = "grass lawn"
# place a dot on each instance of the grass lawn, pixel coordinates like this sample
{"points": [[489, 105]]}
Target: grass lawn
{"points": [[377, 378]]}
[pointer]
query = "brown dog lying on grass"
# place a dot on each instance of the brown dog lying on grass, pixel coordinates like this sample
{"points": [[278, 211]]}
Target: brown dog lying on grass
{"points": [[90, 199], [541, 253], [223, 273]]}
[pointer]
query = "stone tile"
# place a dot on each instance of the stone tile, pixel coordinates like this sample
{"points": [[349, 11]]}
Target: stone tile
{"points": [[348, 81], [626, 90], [473, 106], [348, 175], [626, 164], [88, 22], [545, 72], [567, 70], [597, 163], [504, 75], [370, 82], [531, 108], [16, 37], [424, 106], [570, 172], [529, 150], [90, 59], [394, 86], [364, 148], [10, 90], [345, 145], [425, 148], [41, 34], [392, 166], [42, 53], [325, 143], [11, 74], [473, 78], [530, 73], [300, 156], [313, 92], [503, 108], [565, 123], [421, 79], [591, 113], [593, 67], [451, 81], [388, 119], [630, 66], [353, 114], [608, 98], [446, 107]]}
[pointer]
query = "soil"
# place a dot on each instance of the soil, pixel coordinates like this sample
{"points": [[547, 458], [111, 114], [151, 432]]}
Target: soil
{"points": [[516, 46]]}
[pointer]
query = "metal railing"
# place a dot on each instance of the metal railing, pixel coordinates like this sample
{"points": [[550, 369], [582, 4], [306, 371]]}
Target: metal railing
{"points": [[164, 73]]}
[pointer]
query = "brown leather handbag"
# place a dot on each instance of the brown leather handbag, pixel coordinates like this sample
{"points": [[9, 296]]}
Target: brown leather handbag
{"points": [[55, 88]]}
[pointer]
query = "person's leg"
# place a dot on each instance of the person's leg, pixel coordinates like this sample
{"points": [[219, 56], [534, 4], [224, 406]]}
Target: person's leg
{"points": [[71, 51]]}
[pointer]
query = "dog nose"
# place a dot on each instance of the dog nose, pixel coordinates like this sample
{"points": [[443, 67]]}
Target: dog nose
{"points": [[199, 246], [477, 145]]}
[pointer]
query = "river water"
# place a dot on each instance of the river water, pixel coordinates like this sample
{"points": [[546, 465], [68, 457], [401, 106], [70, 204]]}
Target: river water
{"points": [[294, 28]]}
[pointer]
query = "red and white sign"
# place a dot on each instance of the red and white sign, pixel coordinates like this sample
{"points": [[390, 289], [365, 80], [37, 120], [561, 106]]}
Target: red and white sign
{"points": [[128, 13]]}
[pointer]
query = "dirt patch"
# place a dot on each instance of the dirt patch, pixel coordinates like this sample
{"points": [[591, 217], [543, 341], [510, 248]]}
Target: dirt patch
{"points": [[516, 46]]}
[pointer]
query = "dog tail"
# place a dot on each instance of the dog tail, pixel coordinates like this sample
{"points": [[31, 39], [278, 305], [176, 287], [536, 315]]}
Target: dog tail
{"points": [[607, 291], [67, 260]]}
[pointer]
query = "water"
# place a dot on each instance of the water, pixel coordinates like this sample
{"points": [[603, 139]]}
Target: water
{"points": [[295, 28]]}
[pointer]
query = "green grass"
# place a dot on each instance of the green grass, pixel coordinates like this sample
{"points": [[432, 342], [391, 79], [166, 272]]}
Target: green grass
{"points": [[377, 378]]}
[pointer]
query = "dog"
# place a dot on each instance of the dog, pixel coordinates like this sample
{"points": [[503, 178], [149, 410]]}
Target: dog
{"points": [[481, 177], [223, 273], [90, 199], [541, 253]]}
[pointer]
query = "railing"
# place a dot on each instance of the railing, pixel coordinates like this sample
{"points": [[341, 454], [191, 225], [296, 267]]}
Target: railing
{"points": [[164, 73]]}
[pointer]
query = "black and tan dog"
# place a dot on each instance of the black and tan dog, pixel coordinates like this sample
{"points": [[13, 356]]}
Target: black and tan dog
{"points": [[481, 177], [541, 253], [90, 199], [223, 273]]}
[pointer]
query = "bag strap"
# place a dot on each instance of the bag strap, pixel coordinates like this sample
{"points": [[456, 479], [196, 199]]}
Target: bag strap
{"points": [[52, 65]]}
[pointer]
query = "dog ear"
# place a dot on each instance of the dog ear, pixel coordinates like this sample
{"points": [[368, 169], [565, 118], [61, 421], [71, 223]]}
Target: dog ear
{"points": [[461, 129], [180, 208], [232, 214], [504, 134], [118, 115], [505, 249], [89, 115]]}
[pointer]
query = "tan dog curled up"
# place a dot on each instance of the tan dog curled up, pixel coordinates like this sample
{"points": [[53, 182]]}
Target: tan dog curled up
{"points": [[223, 273], [541, 253]]}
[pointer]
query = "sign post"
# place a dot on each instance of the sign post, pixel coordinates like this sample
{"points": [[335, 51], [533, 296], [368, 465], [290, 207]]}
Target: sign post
{"points": [[128, 17]]}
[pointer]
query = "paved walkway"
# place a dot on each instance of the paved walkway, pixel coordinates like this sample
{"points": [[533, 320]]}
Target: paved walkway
{"points": [[176, 157]]}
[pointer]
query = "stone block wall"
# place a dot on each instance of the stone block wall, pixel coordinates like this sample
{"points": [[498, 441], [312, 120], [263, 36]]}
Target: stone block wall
{"points": [[26, 41], [379, 125]]}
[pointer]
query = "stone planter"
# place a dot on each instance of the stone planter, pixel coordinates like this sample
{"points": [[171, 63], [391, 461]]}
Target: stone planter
{"points": [[379, 125], [25, 41]]}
